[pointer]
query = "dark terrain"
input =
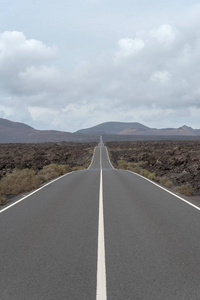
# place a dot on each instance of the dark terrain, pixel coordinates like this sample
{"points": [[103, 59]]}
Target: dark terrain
{"points": [[178, 160], [36, 156]]}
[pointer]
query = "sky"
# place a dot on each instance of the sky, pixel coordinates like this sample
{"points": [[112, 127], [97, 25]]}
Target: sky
{"points": [[72, 64]]}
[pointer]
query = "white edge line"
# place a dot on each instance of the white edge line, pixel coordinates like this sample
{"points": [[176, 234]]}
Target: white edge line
{"points": [[182, 199], [92, 158], [35, 191], [109, 158], [101, 290], [101, 163]]}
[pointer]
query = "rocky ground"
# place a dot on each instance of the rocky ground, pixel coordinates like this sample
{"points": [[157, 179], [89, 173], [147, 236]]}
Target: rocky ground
{"points": [[36, 156], [178, 160]]}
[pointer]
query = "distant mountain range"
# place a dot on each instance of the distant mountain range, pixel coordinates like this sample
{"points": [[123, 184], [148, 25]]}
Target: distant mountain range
{"points": [[15, 132], [112, 128], [121, 128]]}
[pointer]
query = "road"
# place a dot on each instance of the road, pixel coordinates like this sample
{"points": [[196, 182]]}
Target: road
{"points": [[100, 234]]}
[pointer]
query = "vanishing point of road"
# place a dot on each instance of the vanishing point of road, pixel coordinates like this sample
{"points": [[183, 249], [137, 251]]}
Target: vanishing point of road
{"points": [[100, 234]]}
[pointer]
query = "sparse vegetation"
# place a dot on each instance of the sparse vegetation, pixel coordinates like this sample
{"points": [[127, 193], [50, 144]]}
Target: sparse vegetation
{"points": [[19, 181], [173, 164], [51, 171], [186, 189], [2, 200], [166, 182], [136, 168], [24, 167], [22, 181]]}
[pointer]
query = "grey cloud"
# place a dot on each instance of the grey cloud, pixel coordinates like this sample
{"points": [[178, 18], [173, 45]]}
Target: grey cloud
{"points": [[153, 75], [17, 54]]}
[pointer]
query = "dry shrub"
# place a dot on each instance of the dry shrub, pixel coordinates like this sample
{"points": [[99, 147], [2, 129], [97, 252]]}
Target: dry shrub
{"points": [[147, 174], [19, 181], [134, 168], [2, 200], [186, 189], [86, 165], [78, 168], [51, 171], [122, 164], [165, 181], [152, 176]]}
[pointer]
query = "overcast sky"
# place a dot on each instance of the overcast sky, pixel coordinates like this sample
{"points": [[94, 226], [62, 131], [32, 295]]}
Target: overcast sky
{"points": [[71, 64]]}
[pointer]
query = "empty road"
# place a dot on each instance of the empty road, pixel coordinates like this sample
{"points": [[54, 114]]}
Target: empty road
{"points": [[100, 234]]}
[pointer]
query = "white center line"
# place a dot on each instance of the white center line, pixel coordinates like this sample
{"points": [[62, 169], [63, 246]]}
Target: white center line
{"points": [[101, 292]]}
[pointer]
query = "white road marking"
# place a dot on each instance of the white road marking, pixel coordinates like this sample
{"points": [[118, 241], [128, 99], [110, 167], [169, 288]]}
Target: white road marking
{"points": [[9, 206], [100, 159], [182, 199], [92, 158], [101, 292], [109, 158]]}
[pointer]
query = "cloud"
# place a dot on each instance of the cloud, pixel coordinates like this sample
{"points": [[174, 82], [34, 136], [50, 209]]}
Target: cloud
{"points": [[129, 47], [6, 111], [18, 54], [165, 34], [151, 77], [158, 63], [161, 76], [39, 79]]}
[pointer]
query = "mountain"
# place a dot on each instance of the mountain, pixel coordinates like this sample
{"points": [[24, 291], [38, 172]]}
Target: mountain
{"points": [[181, 131], [113, 128], [137, 129], [14, 132]]}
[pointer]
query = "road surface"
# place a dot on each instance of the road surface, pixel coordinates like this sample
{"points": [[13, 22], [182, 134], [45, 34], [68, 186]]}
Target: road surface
{"points": [[100, 234]]}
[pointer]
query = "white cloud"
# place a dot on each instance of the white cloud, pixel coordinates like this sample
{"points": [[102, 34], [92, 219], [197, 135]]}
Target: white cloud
{"points": [[129, 47], [39, 79], [6, 111], [17, 55], [19, 52], [38, 113], [165, 34], [151, 77]]}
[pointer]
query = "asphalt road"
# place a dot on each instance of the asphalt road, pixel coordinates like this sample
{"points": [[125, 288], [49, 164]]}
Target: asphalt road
{"points": [[49, 247]]}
